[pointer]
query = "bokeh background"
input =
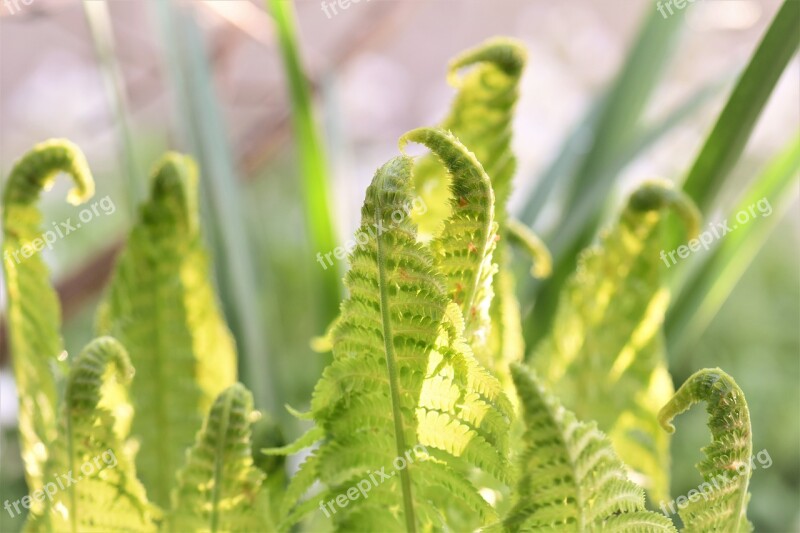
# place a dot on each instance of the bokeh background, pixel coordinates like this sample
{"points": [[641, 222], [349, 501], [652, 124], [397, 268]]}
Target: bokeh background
{"points": [[130, 79]]}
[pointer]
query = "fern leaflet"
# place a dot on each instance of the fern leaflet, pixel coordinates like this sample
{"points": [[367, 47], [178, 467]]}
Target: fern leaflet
{"points": [[93, 495], [570, 478], [726, 467], [605, 354], [34, 313], [402, 379], [220, 489], [161, 306]]}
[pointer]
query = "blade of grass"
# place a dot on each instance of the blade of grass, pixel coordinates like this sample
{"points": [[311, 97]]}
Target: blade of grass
{"points": [[313, 163], [727, 140], [99, 21], [203, 131], [618, 118], [703, 292]]}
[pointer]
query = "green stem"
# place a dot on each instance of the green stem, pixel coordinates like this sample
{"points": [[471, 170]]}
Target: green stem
{"points": [[388, 341]]}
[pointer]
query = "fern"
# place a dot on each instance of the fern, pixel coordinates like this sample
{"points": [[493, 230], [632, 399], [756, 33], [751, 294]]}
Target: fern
{"points": [[220, 489], [34, 314], [481, 118], [86, 495], [570, 478], [161, 306], [401, 377], [726, 467], [463, 249], [605, 355]]}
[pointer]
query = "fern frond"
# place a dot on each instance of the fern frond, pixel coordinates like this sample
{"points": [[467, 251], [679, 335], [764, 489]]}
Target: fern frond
{"points": [[161, 305], [605, 354], [220, 489], [481, 118], [34, 313], [92, 484], [403, 384], [570, 478], [463, 250], [726, 468]]}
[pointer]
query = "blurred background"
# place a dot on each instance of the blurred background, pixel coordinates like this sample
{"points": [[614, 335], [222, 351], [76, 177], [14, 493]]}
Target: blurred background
{"points": [[614, 93]]}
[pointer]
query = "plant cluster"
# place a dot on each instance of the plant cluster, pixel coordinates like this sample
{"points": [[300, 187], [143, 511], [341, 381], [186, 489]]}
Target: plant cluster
{"points": [[427, 355]]}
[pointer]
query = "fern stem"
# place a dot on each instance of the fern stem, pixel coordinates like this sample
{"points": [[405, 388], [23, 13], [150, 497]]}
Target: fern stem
{"points": [[388, 340]]}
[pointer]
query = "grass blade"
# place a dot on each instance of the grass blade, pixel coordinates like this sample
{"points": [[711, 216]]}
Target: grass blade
{"points": [[703, 292], [313, 163], [727, 140], [618, 117]]}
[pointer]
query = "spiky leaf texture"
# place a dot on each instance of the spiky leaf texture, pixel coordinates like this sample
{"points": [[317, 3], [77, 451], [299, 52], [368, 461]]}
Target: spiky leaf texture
{"points": [[220, 489], [605, 354], [34, 313], [161, 305], [403, 383], [481, 118], [570, 478], [91, 483], [726, 468]]}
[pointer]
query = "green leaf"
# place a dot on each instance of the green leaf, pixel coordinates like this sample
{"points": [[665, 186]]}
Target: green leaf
{"points": [[605, 356], [161, 305], [220, 489], [726, 468], [34, 313], [403, 383], [727, 140], [463, 250], [92, 484], [203, 132], [570, 478], [481, 118]]}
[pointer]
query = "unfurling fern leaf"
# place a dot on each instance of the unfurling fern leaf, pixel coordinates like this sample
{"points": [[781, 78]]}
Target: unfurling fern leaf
{"points": [[161, 306], [570, 479], [481, 118], [463, 249], [726, 468], [34, 314], [91, 480], [403, 386], [219, 489], [605, 355]]}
